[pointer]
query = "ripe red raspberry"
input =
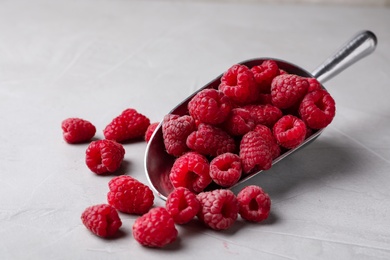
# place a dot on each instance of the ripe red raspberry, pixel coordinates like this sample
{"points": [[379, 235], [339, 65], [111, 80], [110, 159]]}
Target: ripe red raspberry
{"points": [[287, 90], [102, 220], [175, 131], [239, 122], [77, 130], [155, 229], [264, 114], [314, 84], [225, 169], [209, 106], [182, 205], [254, 203], [127, 126], [219, 208], [255, 153], [317, 109], [289, 131], [269, 137], [264, 74], [239, 84], [191, 171], [150, 130], [129, 195], [210, 140], [104, 156]]}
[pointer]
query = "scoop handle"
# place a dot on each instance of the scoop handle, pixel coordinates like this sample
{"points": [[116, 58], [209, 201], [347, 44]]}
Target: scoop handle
{"points": [[361, 45]]}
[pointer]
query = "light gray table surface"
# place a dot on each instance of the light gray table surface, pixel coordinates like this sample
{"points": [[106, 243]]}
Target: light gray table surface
{"points": [[93, 59]]}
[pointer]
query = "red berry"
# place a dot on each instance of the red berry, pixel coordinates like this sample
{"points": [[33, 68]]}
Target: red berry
{"points": [[182, 205], [239, 122], [264, 114], [127, 126], [287, 90], [255, 153], [219, 208], [268, 136], [314, 84], [289, 131], [210, 140], [209, 106], [317, 109], [77, 130], [254, 203], [155, 229], [104, 156], [102, 220], [264, 74], [175, 131], [129, 195], [150, 130], [225, 169], [191, 171], [239, 84]]}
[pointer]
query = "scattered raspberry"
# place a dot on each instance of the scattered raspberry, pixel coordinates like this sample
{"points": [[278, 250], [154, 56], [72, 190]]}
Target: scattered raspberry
{"points": [[210, 140], [175, 131], [317, 109], [191, 171], [104, 156], [77, 130], [102, 220], [128, 125], [182, 205], [155, 229], [255, 153], [314, 84], [254, 203], [239, 84], [239, 122], [264, 114], [287, 90], [219, 208], [269, 137], [289, 131], [264, 74], [225, 169], [209, 106], [129, 195], [150, 130]]}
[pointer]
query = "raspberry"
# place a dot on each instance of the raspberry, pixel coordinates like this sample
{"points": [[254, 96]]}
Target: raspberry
{"points": [[102, 220], [255, 153], [127, 126], [267, 134], [254, 203], [239, 84], [287, 90], [264, 114], [289, 131], [175, 131], [210, 140], [104, 156], [264, 74], [314, 84], [219, 208], [129, 195], [225, 169], [155, 229], [191, 171], [239, 122], [209, 106], [77, 130], [150, 130], [317, 109], [182, 205]]}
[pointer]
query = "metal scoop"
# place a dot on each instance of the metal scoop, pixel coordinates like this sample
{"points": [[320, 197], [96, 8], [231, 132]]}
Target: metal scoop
{"points": [[158, 162]]}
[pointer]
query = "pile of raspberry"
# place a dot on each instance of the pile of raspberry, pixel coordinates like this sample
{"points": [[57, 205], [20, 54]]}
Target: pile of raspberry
{"points": [[238, 128]]}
